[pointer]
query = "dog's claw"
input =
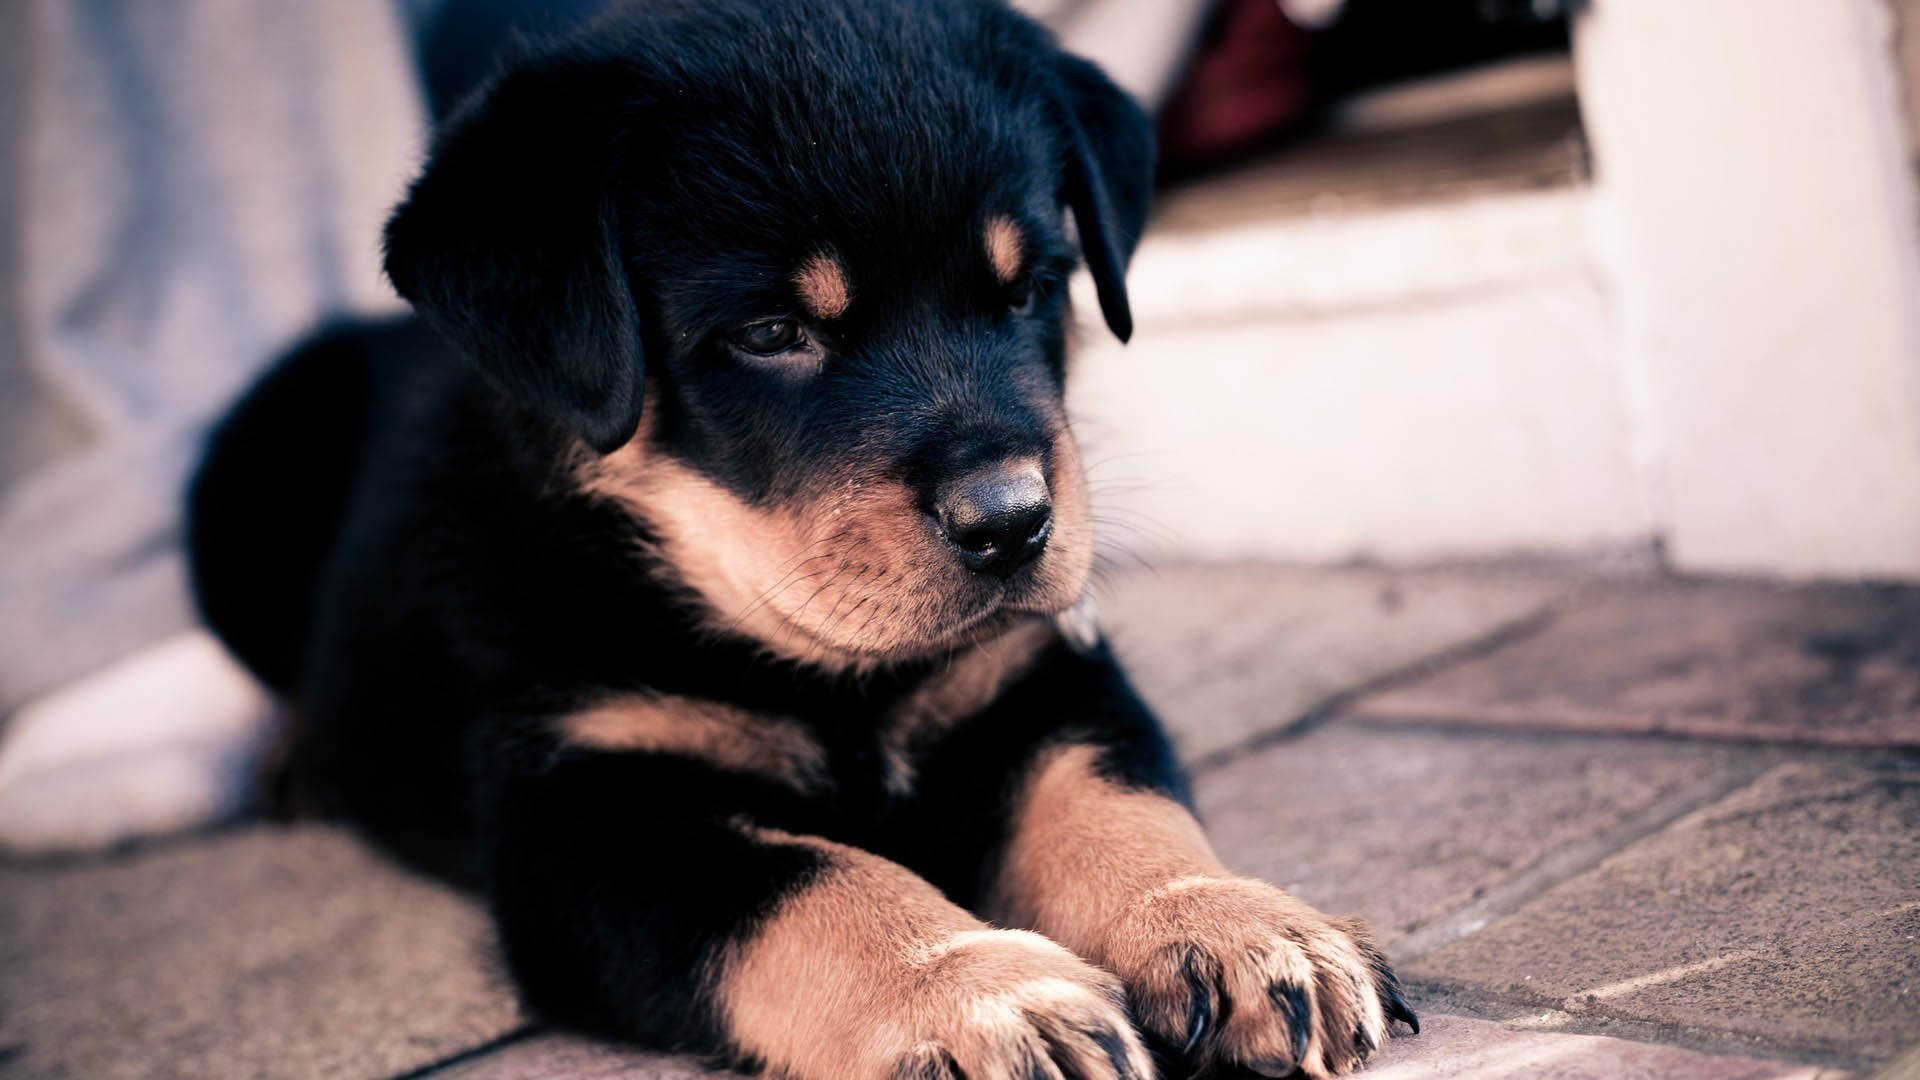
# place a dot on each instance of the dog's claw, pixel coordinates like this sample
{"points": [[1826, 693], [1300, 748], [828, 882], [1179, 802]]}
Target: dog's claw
{"points": [[1199, 1007], [1116, 1050], [1397, 1009], [1292, 1003], [929, 1063]]}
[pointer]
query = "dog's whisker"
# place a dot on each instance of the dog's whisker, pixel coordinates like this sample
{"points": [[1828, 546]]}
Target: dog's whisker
{"points": [[1121, 537], [1118, 515], [833, 624], [815, 594], [1096, 464], [845, 591], [776, 589], [873, 615], [850, 613], [806, 554], [1125, 516], [1109, 493], [771, 591], [782, 585], [1118, 561]]}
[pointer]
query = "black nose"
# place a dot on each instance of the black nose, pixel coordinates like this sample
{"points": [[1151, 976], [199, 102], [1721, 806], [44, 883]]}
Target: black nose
{"points": [[998, 516]]}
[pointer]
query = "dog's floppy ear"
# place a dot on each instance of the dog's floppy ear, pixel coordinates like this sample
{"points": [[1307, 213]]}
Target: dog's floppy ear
{"points": [[509, 243], [1109, 180]]}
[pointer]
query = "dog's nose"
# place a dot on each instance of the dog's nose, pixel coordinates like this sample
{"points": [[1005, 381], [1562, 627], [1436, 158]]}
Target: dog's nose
{"points": [[999, 516]]}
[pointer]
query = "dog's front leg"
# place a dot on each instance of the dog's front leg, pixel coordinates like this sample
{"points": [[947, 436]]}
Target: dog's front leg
{"points": [[1221, 970], [626, 908]]}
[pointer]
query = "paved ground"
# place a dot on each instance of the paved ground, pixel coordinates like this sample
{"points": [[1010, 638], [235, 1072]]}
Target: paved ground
{"points": [[1610, 828]]}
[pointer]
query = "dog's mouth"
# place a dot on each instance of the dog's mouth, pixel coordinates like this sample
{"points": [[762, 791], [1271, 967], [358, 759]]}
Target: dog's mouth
{"points": [[875, 621], [853, 575], [822, 643], [902, 589], [886, 587]]}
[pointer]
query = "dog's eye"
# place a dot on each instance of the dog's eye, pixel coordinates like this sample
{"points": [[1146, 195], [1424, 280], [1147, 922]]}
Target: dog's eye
{"points": [[769, 337], [1021, 296]]}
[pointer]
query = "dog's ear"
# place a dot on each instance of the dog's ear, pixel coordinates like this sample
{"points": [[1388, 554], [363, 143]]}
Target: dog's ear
{"points": [[1109, 180], [510, 244]]}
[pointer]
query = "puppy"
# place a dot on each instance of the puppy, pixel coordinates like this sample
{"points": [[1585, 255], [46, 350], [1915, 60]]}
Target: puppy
{"points": [[686, 577]]}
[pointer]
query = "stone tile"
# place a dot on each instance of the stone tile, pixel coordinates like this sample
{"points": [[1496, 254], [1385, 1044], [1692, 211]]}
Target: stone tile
{"points": [[1787, 913], [570, 1057], [257, 952], [1406, 827], [1837, 665], [1450, 1047], [1905, 1067], [1229, 652], [1447, 1047]]}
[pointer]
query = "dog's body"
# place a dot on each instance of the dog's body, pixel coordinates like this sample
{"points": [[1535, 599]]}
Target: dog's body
{"points": [[690, 584]]}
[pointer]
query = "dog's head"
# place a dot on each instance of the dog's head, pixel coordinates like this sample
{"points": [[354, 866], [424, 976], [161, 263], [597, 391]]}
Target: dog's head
{"points": [[793, 274]]}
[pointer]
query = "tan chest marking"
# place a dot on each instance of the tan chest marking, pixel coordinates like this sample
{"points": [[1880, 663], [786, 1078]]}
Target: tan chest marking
{"points": [[971, 683], [726, 737]]}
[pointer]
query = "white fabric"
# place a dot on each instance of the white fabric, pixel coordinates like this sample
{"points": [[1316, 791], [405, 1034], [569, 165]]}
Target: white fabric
{"points": [[193, 185]]}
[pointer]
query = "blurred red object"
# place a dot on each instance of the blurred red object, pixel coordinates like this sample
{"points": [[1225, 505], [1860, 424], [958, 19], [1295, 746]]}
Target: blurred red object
{"points": [[1248, 82]]}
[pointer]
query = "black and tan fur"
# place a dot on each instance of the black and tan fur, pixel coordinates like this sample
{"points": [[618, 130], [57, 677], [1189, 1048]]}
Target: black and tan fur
{"points": [[686, 576]]}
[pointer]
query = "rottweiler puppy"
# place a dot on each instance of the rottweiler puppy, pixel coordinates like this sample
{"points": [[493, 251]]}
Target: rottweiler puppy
{"points": [[697, 574]]}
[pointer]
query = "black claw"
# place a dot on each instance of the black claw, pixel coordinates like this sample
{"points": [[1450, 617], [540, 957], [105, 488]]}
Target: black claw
{"points": [[1199, 1014], [1199, 1002], [1292, 1003], [1115, 1047], [939, 1066], [1397, 1009]]}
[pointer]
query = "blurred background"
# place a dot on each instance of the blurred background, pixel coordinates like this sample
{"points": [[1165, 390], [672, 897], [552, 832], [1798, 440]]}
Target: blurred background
{"points": [[1448, 309]]}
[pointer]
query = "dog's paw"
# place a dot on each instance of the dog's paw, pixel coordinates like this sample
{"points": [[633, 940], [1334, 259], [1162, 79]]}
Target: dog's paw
{"points": [[993, 1004], [1232, 973]]}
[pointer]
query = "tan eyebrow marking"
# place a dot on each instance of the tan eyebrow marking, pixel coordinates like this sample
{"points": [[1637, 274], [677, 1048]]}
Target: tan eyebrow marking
{"points": [[823, 287], [1004, 248]]}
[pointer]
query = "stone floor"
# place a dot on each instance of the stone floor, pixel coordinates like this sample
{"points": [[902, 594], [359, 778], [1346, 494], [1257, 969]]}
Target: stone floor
{"points": [[1611, 828]]}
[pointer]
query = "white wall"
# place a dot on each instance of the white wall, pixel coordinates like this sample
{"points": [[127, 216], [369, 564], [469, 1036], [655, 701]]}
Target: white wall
{"points": [[1755, 220]]}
